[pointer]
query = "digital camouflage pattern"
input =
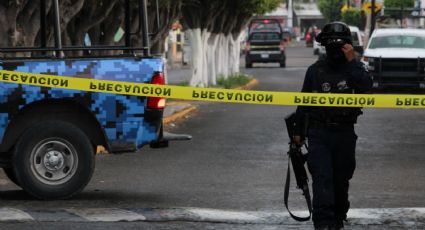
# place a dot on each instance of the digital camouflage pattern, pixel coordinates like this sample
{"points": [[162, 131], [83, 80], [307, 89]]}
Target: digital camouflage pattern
{"points": [[122, 117]]}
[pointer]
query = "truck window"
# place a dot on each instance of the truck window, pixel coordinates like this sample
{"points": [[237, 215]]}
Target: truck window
{"points": [[398, 41], [265, 37]]}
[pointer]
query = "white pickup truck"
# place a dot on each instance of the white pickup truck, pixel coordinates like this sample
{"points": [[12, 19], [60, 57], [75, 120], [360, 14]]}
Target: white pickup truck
{"points": [[396, 58]]}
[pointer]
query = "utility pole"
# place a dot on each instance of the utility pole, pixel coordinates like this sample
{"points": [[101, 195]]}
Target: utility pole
{"points": [[373, 18], [289, 22], [421, 20]]}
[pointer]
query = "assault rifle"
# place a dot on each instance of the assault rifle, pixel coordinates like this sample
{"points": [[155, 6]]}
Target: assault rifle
{"points": [[298, 159]]}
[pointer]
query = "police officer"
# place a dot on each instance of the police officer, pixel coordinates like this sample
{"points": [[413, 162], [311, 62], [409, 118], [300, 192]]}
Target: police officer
{"points": [[330, 130]]}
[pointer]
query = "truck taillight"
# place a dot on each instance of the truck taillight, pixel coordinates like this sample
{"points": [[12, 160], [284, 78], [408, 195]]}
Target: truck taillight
{"points": [[157, 102]]}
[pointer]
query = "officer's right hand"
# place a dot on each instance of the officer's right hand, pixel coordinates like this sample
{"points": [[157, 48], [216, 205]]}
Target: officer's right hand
{"points": [[298, 140], [348, 50]]}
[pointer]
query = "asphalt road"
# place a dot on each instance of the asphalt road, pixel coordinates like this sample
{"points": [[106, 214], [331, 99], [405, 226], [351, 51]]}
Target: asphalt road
{"points": [[237, 161]]}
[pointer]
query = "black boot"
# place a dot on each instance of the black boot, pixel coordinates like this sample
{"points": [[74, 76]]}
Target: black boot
{"points": [[324, 227], [337, 226]]}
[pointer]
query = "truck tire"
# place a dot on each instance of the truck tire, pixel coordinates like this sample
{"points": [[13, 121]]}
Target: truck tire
{"points": [[10, 173], [53, 160]]}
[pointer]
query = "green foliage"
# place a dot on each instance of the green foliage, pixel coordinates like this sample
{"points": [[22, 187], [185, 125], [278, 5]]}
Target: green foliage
{"points": [[252, 7], [183, 83], [399, 3], [223, 15], [233, 81], [396, 5], [331, 9], [264, 6], [352, 16]]}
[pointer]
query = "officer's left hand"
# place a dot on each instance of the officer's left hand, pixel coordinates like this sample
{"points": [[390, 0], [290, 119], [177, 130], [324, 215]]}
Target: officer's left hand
{"points": [[348, 50], [298, 140]]}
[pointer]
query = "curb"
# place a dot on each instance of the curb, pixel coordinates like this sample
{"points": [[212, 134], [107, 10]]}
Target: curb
{"points": [[248, 86], [180, 114]]}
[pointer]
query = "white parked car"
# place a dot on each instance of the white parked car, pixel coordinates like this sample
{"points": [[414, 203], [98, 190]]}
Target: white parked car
{"points": [[316, 47], [358, 45], [396, 58]]}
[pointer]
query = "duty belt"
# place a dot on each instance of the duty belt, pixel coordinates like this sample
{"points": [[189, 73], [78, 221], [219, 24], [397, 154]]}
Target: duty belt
{"points": [[330, 125]]}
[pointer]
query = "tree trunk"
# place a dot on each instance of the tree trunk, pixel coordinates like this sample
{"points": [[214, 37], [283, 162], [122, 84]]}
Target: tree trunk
{"points": [[235, 50], [223, 55], [212, 57], [15, 15], [220, 54], [197, 57], [205, 37]]}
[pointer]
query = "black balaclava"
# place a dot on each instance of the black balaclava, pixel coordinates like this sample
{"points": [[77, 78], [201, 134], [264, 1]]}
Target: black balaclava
{"points": [[334, 53]]}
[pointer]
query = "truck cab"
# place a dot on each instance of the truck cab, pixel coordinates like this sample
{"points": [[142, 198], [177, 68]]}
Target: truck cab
{"points": [[49, 136], [265, 43], [396, 59]]}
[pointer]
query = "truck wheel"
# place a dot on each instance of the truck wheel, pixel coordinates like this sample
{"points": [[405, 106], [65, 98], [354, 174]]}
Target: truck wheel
{"points": [[11, 175], [248, 65], [53, 160], [282, 64]]}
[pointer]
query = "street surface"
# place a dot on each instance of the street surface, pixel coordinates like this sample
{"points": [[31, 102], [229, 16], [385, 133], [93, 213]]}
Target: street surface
{"points": [[237, 162]]}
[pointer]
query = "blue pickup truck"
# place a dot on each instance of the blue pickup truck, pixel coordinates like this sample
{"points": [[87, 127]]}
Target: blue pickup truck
{"points": [[49, 136]]}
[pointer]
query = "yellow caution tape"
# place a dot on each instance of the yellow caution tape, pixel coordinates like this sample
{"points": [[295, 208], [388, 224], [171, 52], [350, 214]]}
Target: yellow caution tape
{"points": [[215, 95]]}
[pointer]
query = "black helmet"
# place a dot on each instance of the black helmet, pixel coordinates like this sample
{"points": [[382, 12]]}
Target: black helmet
{"points": [[334, 31]]}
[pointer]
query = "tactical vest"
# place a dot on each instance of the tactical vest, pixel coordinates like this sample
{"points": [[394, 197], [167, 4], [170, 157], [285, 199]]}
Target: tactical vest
{"points": [[328, 80]]}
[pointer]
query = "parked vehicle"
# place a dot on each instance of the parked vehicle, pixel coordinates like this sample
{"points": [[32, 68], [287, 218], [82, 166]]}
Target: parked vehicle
{"points": [[287, 36], [265, 43], [310, 35], [264, 25], [316, 47], [358, 44], [396, 58], [49, 136]]}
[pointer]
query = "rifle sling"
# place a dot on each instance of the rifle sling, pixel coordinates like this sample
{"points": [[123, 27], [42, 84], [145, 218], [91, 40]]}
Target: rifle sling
{"points": [[286, 195]]}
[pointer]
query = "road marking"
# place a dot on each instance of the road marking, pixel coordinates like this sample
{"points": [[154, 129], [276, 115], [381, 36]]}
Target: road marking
{"points": [[223, 216], [107, 215], [14, 215], [405, 217], [3, 182], [296, 68]]}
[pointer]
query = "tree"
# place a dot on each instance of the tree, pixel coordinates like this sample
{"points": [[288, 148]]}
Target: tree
{"points": [[399, 3], [395, 7], [101, 19], [353, 16], [331, 9], [214, 27]]}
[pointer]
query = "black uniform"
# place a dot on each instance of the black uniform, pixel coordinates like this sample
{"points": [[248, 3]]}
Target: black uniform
{"points": [[331, 137]]}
